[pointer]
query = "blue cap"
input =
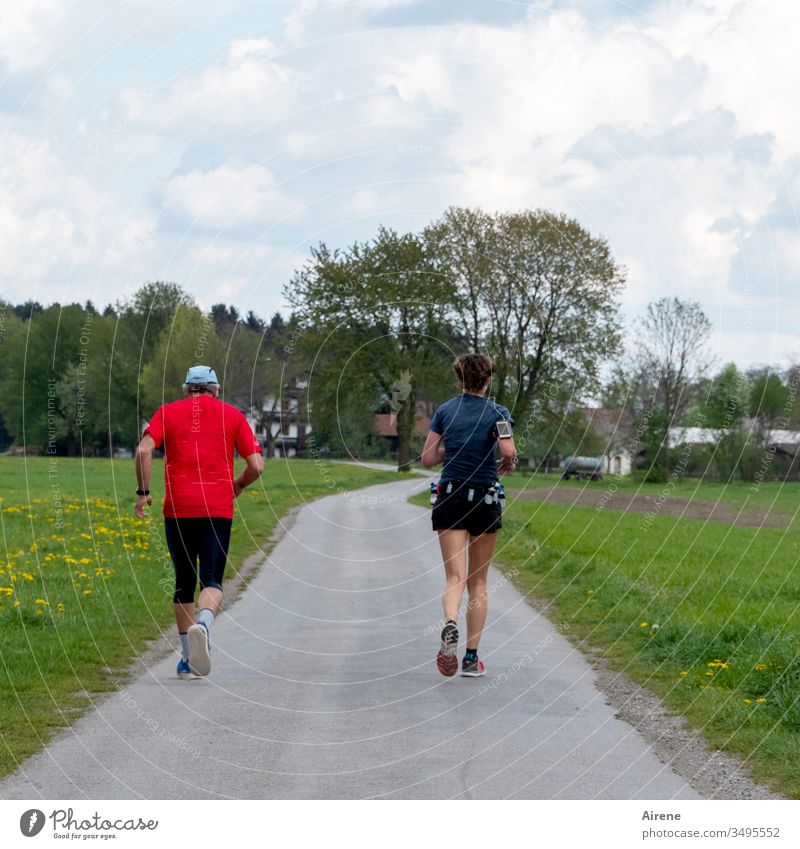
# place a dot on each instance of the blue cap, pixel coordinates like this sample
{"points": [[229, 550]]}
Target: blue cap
{"points": [[201, 374]]}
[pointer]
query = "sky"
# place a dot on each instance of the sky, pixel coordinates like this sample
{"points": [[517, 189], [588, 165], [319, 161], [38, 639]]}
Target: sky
{"points": [[213, 142]]}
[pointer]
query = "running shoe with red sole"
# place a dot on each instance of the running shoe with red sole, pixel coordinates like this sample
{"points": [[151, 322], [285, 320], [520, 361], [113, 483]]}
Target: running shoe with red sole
{"points": [[447, 659], [472, 668]]}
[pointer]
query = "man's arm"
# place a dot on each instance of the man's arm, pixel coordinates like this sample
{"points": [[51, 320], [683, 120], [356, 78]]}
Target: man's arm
{"points": [[144, 462], [252, 472]]}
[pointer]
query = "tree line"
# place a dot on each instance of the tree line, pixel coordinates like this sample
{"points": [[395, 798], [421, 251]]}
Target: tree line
{"points": [[373, 329], [78, 380]]}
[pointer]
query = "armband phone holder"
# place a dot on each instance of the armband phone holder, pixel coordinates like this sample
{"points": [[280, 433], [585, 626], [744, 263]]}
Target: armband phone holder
{"points": [[503, 429]]}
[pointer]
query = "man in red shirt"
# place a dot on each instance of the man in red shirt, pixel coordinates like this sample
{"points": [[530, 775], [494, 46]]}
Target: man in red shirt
{"points": [[199, 434]]}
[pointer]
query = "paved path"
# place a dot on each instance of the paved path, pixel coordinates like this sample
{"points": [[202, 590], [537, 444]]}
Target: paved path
{"points": [[324, 686]]}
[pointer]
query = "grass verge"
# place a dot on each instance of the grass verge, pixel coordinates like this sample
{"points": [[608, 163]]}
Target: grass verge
{"points": [[706, 615], [783, 498], [84, 585]]}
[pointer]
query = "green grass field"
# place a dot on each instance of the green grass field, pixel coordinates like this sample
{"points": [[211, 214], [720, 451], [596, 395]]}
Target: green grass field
{"points": [[706, 615], [784, 498], [84, 584]]}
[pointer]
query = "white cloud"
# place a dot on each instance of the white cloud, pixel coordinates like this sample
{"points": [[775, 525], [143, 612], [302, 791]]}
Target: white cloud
{"points": [[671, 133], [230, 196], [26, 31]]}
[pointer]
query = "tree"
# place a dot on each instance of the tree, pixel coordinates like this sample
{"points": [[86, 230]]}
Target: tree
{"points": [[725, 399], [671, 348], [37, 353], [669, 357], [255, 322], [152, 309], [224, 317], [767, 404], [371, 328], [28, 310], [189, 340], [537, 292], [722, 404], [100, 410]]}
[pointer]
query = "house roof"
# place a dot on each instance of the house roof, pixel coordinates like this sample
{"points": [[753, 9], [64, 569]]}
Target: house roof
{"points": [[386, 425], [785, 439]]}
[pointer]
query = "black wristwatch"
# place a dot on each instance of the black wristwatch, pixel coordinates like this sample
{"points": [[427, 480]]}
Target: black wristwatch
{"points": [[141, 492]]}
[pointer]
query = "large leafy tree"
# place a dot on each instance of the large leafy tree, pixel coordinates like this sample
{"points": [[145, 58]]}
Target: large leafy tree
{"points": [[372, 329], [536, 291]]}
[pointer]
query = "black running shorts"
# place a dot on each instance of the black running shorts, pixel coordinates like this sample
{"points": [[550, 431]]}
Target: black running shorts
{"points": [[454, 511], [204, 539]]}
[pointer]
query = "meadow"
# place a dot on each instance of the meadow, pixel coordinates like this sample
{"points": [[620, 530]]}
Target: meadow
{"points": [[781, 497], [85, 585], [706, 615]]}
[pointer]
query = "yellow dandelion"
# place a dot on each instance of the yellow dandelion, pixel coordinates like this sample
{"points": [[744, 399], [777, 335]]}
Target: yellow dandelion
{"points": [[643, 624], [761, 701], [683, 674], [760, 667], [86, 536], [589, 592], [87, 592], [747, 701], [710, 674], [42, 601], [27, 576]]}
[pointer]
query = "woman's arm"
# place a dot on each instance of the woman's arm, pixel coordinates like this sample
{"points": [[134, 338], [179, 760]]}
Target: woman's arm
{"points": [[433, 452], [508, 452]]}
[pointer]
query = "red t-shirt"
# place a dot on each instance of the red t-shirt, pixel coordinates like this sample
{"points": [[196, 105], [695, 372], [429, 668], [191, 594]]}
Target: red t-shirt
{"points": [[199, 435]]}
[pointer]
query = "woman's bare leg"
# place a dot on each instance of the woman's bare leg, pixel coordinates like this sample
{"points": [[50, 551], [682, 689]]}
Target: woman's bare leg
{"points": [[481, 549], [454, 556]]}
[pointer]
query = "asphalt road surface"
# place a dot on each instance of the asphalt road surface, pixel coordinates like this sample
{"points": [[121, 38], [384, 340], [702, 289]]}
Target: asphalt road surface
{"points": [[324, 685]]}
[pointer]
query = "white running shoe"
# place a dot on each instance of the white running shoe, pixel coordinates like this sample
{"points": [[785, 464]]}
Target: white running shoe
{"points": [[199, 650]]}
